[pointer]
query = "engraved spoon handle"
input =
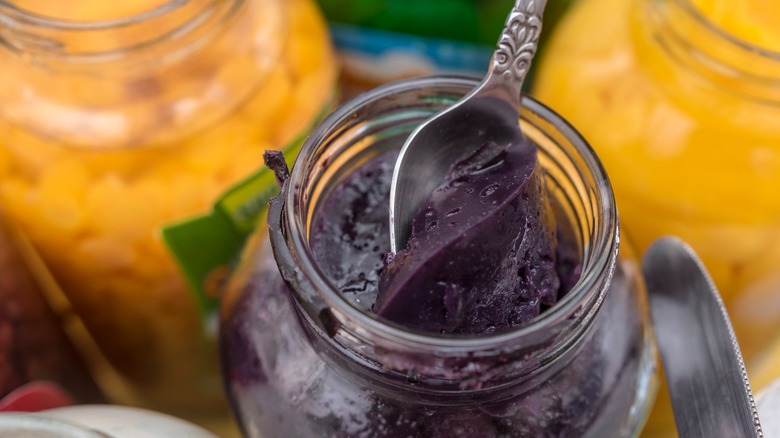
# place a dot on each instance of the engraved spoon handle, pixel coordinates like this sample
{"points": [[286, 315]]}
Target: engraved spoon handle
{"points": [[489, 113], [517, 46]]}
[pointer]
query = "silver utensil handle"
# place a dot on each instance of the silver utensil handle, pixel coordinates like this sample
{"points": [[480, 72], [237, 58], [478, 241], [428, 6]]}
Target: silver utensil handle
{"points": [[705, 373], [517, 45]]}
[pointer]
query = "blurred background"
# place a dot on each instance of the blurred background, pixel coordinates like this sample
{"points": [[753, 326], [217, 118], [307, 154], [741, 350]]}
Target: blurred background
{"points": [[114, 133]]}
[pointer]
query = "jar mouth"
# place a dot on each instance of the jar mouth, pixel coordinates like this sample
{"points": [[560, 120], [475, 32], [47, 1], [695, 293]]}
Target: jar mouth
{"points": [[695, 49], [165, 32], [45, 21], [601, 254], [733, 40]]}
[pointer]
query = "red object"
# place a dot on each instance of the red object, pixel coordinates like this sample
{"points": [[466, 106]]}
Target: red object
{"points": [[34, 397]]}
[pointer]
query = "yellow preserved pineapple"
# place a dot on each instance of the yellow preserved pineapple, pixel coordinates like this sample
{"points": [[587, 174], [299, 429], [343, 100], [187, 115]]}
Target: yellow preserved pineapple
{"points": [[115, 128], [680, 99]]}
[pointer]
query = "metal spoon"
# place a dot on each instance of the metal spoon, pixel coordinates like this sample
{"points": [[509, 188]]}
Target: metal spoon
{"points": [[489, 113], [705, 374]]}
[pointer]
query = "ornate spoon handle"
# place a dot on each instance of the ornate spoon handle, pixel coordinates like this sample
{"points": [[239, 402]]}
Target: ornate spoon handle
{"points": [[517, 45]]}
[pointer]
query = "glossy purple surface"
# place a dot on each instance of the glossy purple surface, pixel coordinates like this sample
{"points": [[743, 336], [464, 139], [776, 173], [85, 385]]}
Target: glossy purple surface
{"points": [[482, 256]]}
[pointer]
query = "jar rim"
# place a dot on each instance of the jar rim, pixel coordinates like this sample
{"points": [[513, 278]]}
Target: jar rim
{"points": [[697, 49], [165, 32], [604, 242], [698, 16], [45, 21]]}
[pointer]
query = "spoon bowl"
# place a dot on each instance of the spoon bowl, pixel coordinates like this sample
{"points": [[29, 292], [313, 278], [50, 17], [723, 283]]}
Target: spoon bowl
{"points": [[487, 114]]}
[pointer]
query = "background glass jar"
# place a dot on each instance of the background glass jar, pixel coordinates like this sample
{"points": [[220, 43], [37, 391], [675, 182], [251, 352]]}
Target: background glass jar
{"points": [[306, 362], [124, 116], [684, 115]]}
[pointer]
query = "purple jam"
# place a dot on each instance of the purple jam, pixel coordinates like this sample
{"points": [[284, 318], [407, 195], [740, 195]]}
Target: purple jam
{"points": [[482, 257]]}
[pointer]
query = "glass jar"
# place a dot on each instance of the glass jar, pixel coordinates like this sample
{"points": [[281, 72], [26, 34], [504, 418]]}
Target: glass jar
{"points": [[684, 116], [300, 360], [125, 116]]}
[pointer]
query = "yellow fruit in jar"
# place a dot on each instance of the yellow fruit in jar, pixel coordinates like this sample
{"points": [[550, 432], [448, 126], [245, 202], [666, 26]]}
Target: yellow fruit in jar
{"points": [[105, 253], [673, 160], [273, 100], [118, 152], [685, 122], [60, 195], [116, 211], [5, 162], [61, 210], [183, 200], [18, 199], [203, 158], [304, 53]]}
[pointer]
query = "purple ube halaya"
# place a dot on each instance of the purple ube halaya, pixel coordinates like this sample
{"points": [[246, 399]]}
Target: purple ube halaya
{"points": [[481, 257]]}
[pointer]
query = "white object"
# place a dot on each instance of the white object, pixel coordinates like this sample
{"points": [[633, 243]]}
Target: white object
{"points": [[768, 405], [97, 421]]}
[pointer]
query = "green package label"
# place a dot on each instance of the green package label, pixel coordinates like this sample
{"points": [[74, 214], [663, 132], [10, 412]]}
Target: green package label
{"points": [[205, 246]]}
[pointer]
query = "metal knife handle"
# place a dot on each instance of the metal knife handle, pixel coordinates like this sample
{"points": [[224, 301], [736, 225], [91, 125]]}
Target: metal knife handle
{"points": [[705, 373]]}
